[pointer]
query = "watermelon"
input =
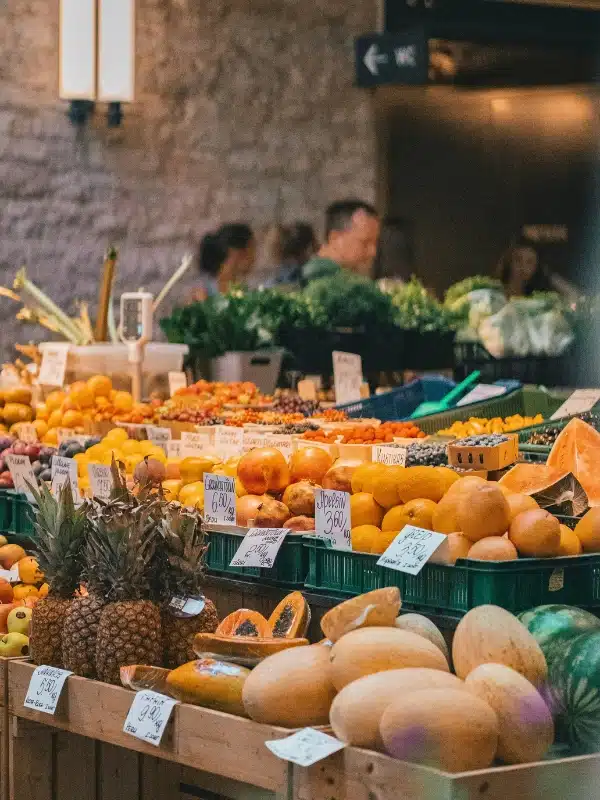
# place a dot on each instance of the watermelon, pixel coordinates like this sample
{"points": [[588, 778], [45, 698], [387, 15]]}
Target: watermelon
{"points": [[553, 625], [573, 692]]}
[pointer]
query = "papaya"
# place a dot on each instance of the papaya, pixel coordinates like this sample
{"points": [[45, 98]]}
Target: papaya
{"points": [[373, 609], [291, 618], [577, 450], [244, 622], [246, 650], [139, 676], [209, 683]]}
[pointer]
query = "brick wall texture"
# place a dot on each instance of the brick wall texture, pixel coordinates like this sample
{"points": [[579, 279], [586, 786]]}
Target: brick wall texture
{"points": [[244, 110]]}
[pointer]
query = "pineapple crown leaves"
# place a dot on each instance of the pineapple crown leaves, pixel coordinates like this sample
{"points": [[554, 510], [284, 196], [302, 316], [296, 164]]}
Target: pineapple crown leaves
{"points": [[185, 550], [60, 529]]}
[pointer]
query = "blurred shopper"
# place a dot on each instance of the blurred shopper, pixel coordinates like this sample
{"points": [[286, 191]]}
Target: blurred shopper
{"points": [[351, 236], [522, 273], [292, 246], [225, 258]]}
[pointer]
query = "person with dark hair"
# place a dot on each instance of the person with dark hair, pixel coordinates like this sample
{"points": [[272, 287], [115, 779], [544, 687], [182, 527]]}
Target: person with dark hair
{"points": [[351, 236], [522, 273], [225, 258], [291, 247]]}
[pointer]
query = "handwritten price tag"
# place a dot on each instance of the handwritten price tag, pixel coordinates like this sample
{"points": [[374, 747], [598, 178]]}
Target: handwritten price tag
{"points": [[28, 433], [281, 442], [45, 687], [194, 443], [259, 547], [174, 448], [579, 402], [229, 441], [219, 499], [63, 470], [305, 747], [411, 550], [54, 365], [148, 716], [254, 439], [158, 436], [22, 473], [347, 376], [392, 456], [101, 480], [177, 381], [67, 435], [187, 607], [332, 517]]}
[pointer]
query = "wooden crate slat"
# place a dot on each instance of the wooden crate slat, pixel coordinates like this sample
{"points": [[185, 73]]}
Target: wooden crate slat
{"points": [[118, 773], [31, 757], [159, 780], [74, 766], [196, 784]]}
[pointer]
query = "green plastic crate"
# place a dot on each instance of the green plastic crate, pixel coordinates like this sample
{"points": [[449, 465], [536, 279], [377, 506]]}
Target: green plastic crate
{"points": [[527, 401], [290, 567], [21, 522], [6, 509], [513, 585]]}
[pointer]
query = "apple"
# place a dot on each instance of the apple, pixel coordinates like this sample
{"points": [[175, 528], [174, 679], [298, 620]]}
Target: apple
{"points": [[19, 620], [14, 644]]}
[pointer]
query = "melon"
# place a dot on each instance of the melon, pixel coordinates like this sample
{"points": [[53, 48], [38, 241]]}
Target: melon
{"points": [[450, 729], [369, 650], [553, 625], [209, 683], [530, 479], [525, 727], [423, 626], [357, 710], [577, 450], [491, 635], [373, 609], [483, 511], [292, 688]]}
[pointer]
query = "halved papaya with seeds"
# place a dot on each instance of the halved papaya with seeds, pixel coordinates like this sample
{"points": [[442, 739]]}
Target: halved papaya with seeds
{"points": [[291, 618], [243, 650], [244, 622]]}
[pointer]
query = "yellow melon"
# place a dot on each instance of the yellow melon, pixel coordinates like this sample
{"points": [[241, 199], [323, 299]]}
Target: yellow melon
{"points": [[423, 626], [444, 728], [491, 635], [357, 710], [370, 650], [292, 688], [525, 727], [209, 683], [378, 608]]}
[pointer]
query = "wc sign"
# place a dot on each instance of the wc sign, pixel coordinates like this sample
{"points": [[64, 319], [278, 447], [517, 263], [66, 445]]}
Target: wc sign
{"points": [[398, 58]]}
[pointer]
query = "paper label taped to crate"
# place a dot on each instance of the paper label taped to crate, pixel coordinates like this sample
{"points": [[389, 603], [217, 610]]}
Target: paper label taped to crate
{"points": [[148, 716], [229, 441], [219, 499], [192, 444], [557, 580], [64, 470], [187, 607], [101, 480], [45, 687], [177, 381], [332, 517], [392, 456], [579, 402], [484, 391], [158, 436], [254, 439], [305, 747], [347, 377], [54, 365], [259, 547], [411, 550], [281, 442], [22, 473]]}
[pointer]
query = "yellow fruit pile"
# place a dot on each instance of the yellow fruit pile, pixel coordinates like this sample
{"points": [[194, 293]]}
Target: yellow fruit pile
{"points": [[477, 425], [185, 478], [15, 408]]}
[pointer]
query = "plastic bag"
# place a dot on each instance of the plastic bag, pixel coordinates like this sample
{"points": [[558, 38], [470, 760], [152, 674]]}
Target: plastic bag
{"points": [[506, 333]]}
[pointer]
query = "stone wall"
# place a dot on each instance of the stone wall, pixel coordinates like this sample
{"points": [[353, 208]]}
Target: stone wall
{"points": [[244, 109]]}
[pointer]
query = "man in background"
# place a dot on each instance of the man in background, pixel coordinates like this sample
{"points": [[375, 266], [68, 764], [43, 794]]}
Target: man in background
{"points": [[351, 236]]}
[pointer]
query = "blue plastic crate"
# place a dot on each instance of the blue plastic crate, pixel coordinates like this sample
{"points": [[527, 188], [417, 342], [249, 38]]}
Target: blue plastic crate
{"points": [[400, 403]]}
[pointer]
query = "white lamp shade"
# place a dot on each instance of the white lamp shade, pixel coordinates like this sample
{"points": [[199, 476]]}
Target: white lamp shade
{"points": [[116, 50], [77, 49]]}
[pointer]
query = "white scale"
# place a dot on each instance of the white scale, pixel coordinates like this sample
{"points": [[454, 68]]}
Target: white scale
{"points": [[136, 331]]}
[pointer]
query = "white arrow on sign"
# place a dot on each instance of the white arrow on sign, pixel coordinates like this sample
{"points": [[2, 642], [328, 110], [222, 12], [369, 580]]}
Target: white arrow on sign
{"points": [[373, 58]]}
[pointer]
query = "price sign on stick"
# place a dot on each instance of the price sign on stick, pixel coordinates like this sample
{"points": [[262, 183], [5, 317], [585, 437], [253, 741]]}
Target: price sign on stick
{"points": [[192, 444], [411, 550], [392, 456], [347, 376], [63, 470], [148, 716], [259, 547], [22, 473], [45, 687], [54, 365], [174, 448], [305, 747], [332, 517], [101, 480], [219, 499], [177, 381]]}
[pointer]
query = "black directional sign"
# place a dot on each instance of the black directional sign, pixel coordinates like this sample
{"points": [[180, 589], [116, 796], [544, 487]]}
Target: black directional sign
{"points": [[387, 58]]}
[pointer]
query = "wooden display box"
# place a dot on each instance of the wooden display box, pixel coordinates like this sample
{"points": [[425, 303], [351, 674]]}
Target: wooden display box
{"points": [[488, 458]]}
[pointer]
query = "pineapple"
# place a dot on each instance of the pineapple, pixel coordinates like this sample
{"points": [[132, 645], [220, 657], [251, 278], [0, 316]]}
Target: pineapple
{"points": [[60, 529], [182, 578]]}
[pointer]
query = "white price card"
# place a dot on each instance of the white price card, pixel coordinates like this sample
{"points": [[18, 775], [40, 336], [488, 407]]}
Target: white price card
{"points": [[63, 470], [158, 436], [149, 715], [305, 747], [192, 444], [347, 377], [187, 607], [484, 391], [229, 441], [174, 448], [253, 439], [390, 455], [177, 381], [22, 473], [281, 442], [411, 550], [11, 575], [54, 365], [219, 499], [67, 435], [332, 517], [259, 547], [45, 687], [579, 402], [101, 480], [28, 433]]}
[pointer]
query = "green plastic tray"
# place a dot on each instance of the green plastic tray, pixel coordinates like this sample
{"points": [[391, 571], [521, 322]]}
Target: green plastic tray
{"points": [[289, 569], [6, 509], [513, 585], [527, 401], [21, 521]]}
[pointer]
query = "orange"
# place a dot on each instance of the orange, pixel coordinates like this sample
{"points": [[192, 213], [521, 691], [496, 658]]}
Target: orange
{"points": [[43, 591], [493, 548], [192, 495], [22, 590], [385, 488], [240, 490], [517, 503], [81, 396], [131, 462], [569, 542], [383, 541], [82, 461], [365, 476], [416, 512], [421, 482], [29, 571], [447, 476], [102, 403], [55, 420], [364, 510], [55, 400], [116, 436], [445, 518], [123, 401], [364, 537], [193, 469], [483, 511], [535, 534], [51, 438], [42, 412], [100, 386], [72, 419], [41, 428], [130, 447], [588, 531]]}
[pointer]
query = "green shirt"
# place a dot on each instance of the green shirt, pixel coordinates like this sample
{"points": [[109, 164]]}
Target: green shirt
{"points": [[319, 267]]}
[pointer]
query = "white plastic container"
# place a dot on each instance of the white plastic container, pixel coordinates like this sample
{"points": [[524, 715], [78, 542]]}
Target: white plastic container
{"points": [[261, 367], [111, 359]]}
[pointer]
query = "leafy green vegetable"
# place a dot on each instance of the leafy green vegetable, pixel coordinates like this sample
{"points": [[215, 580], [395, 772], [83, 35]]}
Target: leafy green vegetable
{"points": [[462, 288], [417, 309], [348, 301]]}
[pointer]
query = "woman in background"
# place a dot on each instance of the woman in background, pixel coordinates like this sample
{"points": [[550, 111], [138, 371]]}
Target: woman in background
{"points": [[226, 257], [522, 273], [291, 246]]}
